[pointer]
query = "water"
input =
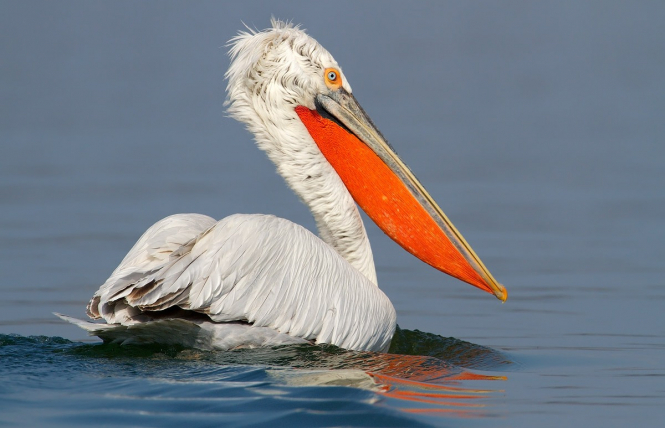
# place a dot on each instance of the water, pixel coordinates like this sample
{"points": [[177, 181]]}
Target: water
{"points": [[538, 128], [293, 385]]}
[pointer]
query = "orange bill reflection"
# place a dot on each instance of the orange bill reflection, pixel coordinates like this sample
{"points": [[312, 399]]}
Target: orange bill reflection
{"points": [[429, 386]]}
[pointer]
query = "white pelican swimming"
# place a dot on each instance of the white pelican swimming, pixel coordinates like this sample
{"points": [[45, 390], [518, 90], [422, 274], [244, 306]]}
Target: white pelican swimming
{"points": [[254, 280]]}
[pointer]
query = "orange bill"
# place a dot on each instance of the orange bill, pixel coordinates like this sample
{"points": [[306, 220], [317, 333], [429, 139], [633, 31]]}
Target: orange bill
{"points": [[384, 187]]}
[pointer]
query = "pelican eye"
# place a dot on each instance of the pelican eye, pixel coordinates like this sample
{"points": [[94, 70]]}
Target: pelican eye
{"points": [[333, 78]]}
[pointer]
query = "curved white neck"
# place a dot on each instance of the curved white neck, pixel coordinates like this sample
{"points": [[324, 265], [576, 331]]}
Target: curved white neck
{"points": [[313, 179], [336, 214], [268, 78], [288, 144]]}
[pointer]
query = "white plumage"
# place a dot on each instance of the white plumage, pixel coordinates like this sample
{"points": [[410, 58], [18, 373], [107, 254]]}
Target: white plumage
{"points": [[256, 280], [263, 270], [273, 72]]}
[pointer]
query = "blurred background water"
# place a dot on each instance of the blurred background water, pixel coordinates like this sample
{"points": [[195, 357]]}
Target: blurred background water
{"points": [[538, 127]]}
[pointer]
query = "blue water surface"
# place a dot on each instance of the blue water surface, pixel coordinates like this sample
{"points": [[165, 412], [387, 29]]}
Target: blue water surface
{"points": [[68, 384]]}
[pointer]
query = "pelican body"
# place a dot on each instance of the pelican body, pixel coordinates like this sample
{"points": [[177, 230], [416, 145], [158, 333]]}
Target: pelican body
{"points": [[257, 280]]}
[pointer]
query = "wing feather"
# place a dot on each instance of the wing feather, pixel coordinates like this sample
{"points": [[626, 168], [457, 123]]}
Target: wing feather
{"points": [[146, 257], [259, 269]]}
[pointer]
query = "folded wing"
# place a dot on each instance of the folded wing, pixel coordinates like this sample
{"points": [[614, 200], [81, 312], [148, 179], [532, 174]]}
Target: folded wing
{"points": [[258, 269]]}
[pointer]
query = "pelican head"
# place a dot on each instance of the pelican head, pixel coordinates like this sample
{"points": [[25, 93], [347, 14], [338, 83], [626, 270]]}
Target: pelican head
{"points": [[294, 97]]}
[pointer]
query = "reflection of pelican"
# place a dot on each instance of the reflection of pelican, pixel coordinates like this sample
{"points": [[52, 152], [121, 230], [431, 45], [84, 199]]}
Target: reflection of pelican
{"points": [[254, 279], [414, 384]]}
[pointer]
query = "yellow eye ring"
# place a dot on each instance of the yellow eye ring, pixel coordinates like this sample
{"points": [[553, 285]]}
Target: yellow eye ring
{"points": [[333, 78]]}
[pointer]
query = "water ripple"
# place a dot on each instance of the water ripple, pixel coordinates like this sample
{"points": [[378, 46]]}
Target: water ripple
{"points": [[57, 382]]}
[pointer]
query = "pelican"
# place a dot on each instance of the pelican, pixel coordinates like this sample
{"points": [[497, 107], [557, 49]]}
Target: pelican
{"points": [[258, 280]]}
